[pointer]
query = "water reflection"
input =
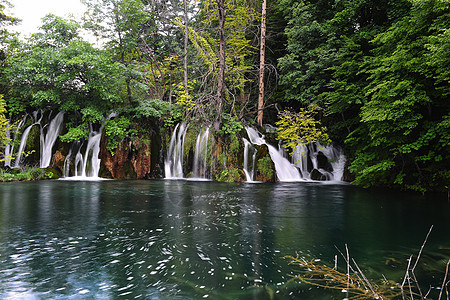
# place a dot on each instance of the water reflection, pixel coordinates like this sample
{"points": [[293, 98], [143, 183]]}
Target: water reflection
{"points": [[191, 240]]}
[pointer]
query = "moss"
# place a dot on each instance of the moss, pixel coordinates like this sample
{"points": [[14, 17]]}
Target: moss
{"points": [[265, 169], [51, 173], [230, 175]]}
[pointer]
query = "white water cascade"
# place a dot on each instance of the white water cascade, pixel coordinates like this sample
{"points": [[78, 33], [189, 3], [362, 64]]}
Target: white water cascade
{"points": [[173, 165], [336, 158], [249, 170], [49, 139], [286, 171], [9, 149], [86, 163], [305, 160], [200, 156], [37, 115]]}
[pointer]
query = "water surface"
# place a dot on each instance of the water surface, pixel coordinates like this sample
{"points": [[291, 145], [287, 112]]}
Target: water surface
{"points": [[194, 240]]}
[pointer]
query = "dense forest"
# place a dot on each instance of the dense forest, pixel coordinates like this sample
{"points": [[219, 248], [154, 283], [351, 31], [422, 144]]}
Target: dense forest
{"points": [[370, 76]]}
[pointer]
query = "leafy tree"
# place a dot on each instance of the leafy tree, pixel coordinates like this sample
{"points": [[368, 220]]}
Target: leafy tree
{"points": [[57, 70], [403, 136], [301, 128], [3, 127], [121, 24]]}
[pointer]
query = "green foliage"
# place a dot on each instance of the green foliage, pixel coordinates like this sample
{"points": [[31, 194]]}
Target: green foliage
{"points": [[23, 174], [76, 133], [57, 32], [118, 129], [300, 128], [3, 127], [230, 125], [230, 175], [185, 100], [72, 77], [153, 108], [264, 167], [403, 136]]}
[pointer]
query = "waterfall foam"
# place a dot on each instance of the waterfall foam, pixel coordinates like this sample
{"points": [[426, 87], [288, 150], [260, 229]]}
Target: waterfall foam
{"points": [[199, 171], [86, 164], [173, 165], [49, 139], [286, 172], [37, 116], [249, 171], [9, 149], [305, 160]]}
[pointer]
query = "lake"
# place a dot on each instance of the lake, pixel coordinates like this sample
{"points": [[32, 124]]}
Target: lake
{"points": [[193, 240]]}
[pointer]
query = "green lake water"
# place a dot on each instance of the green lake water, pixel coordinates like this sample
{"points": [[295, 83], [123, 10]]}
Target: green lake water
{"points": [[206, 240]]}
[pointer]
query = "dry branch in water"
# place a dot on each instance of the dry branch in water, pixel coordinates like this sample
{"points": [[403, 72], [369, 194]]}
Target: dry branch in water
{"points": [[355, 285]]}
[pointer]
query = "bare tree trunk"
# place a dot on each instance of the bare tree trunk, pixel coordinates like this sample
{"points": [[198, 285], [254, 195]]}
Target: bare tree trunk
{"points": [[261, 65], [221, 75], [186, 39]]}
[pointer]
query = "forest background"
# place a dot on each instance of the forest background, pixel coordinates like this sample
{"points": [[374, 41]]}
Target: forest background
{"points": [[375, 75]]}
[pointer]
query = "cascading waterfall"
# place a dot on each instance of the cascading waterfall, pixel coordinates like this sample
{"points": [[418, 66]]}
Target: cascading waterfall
{"points": [[9, 149], [91, 154], [336, 158], [86, 163], [305, 159], [37, 115], [285, 170], [173, 165], [201, 154], [49, 139], [249, 170]]}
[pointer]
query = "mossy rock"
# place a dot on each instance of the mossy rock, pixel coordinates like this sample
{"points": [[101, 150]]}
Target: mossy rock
{"points": [[265, 169], [51, 173], [317, 175], [231, 175]]}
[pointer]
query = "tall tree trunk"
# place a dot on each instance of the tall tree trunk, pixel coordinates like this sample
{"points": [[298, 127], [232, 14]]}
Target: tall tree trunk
{"points": [[262, 55], [186, 39], [221, 75]]}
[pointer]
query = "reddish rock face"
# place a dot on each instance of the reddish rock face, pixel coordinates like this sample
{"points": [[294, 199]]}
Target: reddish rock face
{"points": [[141, 160], [58, 161], [131, 160]]}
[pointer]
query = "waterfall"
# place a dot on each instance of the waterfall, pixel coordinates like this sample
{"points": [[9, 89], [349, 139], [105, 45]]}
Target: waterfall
{"points": [[9, 149], [305, 160], [87, 163], [37, 115], [173, 165], [336, 158], [300, 157], [91, 154], [49, 139], [249, 171], [201, 154], [285, 170]]}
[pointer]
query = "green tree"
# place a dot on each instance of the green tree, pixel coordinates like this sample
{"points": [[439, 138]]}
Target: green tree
{"points": [[403, 136], [57, 70], [301, 128], [121, 24], [3, 127]]}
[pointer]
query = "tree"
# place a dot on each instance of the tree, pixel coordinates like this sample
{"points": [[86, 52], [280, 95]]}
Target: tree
{"points": [[301, 128], [403, 136], [221, 72], [121, 24], [3, 127], [261, 64], [58, 70]]}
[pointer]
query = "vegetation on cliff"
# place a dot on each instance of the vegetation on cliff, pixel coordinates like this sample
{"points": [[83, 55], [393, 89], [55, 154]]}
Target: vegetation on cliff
{"points": [[378, 71]]}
